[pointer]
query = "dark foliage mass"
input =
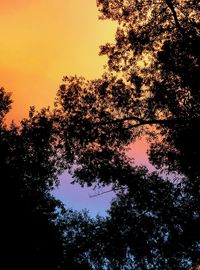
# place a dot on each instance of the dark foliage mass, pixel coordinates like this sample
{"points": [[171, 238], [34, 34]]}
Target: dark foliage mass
{"points": [[151, 89], [27, 173]]}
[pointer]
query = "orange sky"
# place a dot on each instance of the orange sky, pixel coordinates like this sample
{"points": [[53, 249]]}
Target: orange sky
{"points": [[43, 40], [40, 42]]}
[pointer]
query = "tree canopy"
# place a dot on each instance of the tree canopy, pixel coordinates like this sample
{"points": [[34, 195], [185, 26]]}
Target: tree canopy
{"points": [[150, 88], [151, 83]]}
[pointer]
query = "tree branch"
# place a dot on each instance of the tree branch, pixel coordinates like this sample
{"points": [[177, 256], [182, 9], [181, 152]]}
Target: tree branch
{"points": [[101, 193], [159, 122], [143, 213], [115, 121], [141, 122], [171, 7]]}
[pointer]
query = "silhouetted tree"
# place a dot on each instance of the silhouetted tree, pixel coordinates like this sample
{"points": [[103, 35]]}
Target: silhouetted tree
{"points": [[28, 172], [153, 224], [156, 50], [153, 79], [151, 88]]}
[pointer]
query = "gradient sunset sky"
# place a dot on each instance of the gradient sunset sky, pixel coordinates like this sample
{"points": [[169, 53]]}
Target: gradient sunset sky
{"points": [[41, 41]]}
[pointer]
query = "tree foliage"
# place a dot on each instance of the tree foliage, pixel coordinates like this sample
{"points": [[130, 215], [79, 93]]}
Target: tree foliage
{"points": [[31, 238], [150, 88], [152, 81], [156, 50]]}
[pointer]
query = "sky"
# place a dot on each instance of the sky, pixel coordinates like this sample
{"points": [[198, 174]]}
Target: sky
{"points": [[85, 198], [41, 41]]}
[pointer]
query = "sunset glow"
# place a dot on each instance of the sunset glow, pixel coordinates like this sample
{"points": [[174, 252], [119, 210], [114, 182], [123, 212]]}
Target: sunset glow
{"points": [[41, 41]]}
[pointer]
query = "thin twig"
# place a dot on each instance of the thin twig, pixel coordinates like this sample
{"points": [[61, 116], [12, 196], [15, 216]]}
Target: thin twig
{"points": [[101, 193]]}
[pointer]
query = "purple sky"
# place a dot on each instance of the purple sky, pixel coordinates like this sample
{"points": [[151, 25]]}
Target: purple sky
{"points": [[80, 198]]}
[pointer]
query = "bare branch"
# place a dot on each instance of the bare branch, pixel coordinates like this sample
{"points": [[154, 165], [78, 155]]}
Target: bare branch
{"points": [[101, 193]]}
